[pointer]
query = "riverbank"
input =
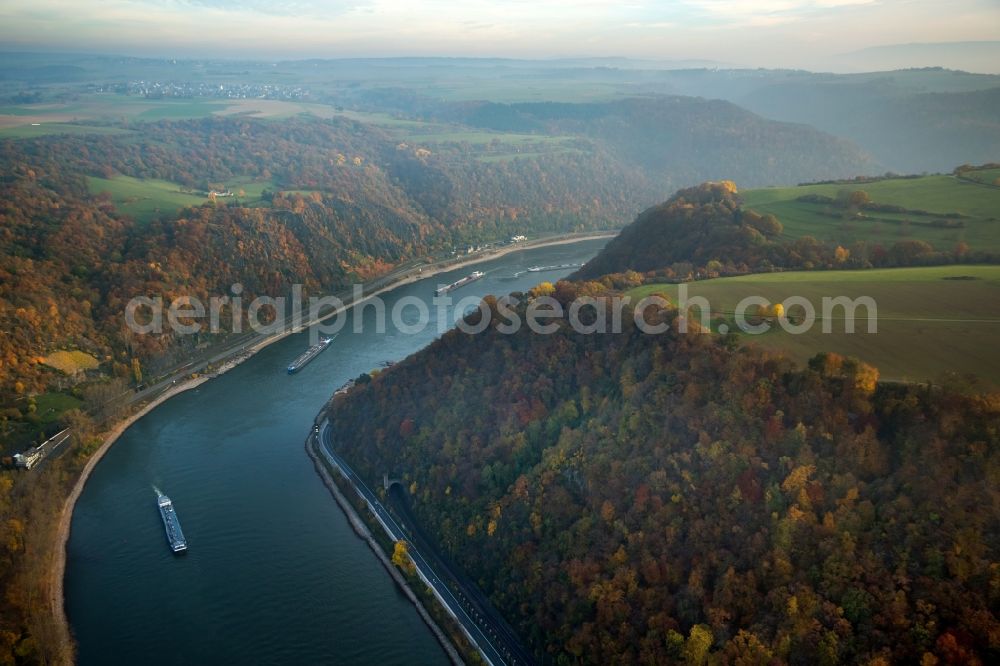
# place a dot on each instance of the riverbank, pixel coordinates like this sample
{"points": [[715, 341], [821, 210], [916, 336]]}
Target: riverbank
{"points": [[409, 276], [418, 273], [229, 359], [526, 245], [58, 568], [365, 534]]}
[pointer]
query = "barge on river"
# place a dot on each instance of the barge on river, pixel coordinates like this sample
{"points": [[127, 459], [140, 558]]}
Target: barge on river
{"points": [[472, 277], [308, 355], [171, 524]]}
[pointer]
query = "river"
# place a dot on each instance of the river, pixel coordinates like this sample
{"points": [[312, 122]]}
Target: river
{"points": [[274, 573]]}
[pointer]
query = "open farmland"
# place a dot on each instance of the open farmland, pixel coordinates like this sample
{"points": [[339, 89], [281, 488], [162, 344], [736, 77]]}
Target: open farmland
{"points": [[931, 321], [145, 199], [941, 210]]}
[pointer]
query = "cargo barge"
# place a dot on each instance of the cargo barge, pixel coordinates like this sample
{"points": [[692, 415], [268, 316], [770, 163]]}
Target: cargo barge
{"points": [[459, 283], [308, 355], [539, 269], [171, 524]]}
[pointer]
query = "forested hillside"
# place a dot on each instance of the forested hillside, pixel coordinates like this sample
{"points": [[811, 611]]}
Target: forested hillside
{"points": [[322, 203], [640, 498], [907, 129], [340, 202], [685, 140]]}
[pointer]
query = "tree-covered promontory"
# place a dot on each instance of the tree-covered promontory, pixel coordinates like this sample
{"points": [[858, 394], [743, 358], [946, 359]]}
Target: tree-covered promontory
{"points": [[680, 498], [708, 230], [637, 498]]}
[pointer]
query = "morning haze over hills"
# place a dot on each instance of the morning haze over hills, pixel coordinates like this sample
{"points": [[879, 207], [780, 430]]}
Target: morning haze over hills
{"points": [[651, 333]]}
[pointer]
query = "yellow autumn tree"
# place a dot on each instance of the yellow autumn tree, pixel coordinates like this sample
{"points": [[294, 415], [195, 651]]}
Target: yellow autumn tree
{"points": [[698, 644], [797, 479], [866, 378], [401, 557], [543, 289]]}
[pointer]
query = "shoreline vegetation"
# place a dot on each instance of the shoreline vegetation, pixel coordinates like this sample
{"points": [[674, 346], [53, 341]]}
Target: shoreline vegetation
{"points": [[64, 651]]}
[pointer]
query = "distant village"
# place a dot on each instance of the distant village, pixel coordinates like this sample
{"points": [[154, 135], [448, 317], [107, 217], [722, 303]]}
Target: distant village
{"points": [[160, 90]]}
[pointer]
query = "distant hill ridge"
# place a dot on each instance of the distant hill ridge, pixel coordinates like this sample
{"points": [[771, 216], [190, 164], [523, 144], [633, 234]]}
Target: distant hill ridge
{"points": [[683, 140]]}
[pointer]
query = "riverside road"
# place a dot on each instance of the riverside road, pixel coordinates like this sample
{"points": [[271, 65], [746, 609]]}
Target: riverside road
{"points": [[494, 646]]}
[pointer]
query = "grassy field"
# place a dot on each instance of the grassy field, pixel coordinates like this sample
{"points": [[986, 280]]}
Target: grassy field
{"points": [[978, 204], [488, 146], [385, 120], [492, 146], [444, 134], [16, 120], [988, 176], [144, 199], [251, 190], [180, 109], [930, 320], [107, 106], [50, 406], [71, 362]]}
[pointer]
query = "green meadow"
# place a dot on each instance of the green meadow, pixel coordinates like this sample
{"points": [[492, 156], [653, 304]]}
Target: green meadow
{"points": [[56, 118], [495, 146], [930, 320], [50, 406], [974, 207], [180, 109], [16, 120], [987, 176], [145, 199], [445, 134]]}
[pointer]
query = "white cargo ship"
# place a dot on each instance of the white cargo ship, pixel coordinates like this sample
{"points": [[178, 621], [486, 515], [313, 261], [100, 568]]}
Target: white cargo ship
{"points": [[308, 355], [171, 524], [459, 283]]}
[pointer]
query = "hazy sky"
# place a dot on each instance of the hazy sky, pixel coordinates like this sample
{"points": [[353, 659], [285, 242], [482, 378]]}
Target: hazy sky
{"points": [[753, 32]]}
